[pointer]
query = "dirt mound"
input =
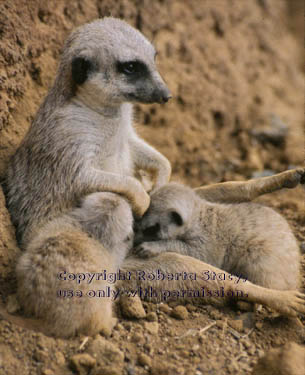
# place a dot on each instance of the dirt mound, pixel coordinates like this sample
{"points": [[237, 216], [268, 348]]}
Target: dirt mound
{"points": [[235, 69], [228, 64]]}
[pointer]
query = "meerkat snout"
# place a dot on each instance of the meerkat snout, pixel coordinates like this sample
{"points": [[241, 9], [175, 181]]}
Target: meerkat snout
{"points": [[161, 93]]}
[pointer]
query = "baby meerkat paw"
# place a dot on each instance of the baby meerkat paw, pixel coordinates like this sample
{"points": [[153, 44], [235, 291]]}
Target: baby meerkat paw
{"points": [[146, 250], [291, 303]]}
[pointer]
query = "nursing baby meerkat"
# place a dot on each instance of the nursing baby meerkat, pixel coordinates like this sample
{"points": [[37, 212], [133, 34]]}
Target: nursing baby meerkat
{"points": [[53, 274], [243, 239], [82, 139], [218, 241]]}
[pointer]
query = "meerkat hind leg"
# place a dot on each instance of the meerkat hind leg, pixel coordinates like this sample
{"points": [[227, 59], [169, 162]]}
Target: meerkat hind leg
{"points": [[64, 249], [287, 302], [246, 191], [209, 278]]}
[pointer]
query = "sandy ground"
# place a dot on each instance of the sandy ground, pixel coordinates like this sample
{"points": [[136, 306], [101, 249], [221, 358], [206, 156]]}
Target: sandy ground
{"points": [[235, 69]]}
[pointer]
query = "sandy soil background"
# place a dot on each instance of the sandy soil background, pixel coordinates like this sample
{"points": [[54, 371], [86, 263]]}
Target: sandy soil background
{"points": [[235, 69]]}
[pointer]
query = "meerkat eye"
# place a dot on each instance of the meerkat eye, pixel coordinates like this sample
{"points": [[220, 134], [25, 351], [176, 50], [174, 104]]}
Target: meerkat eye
{"points": [[152, 230], [176, 218], [132, 68]]}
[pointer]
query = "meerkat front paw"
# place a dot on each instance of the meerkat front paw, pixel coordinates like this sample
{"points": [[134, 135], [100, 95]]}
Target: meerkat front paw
{"points": [[141, 204], [163, 175], [138, 197], [147, 250]]}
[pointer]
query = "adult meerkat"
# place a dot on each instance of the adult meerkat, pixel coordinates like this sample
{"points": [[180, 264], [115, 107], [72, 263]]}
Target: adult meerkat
{"points": [[82, 139], [82, 142], [64, 276], [243, 239]]}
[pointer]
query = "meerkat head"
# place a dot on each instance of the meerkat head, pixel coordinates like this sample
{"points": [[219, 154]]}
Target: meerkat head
{"points": [[109, 62], [169, 214]]}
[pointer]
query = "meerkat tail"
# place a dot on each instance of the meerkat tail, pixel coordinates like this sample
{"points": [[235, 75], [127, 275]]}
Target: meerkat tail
{"points": [[28, 323], [246, 191]]}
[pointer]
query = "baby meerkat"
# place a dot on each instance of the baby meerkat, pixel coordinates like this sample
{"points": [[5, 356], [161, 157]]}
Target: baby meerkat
{"points": [[82, 139], [180, 221], [243, 239], [62, 276]]}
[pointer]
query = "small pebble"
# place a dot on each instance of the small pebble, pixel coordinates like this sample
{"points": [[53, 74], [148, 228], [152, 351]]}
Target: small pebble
{"points": [[191, 308], [152, 317], [82, 362], [136, 337], [220, 324], [163, 307], [47, 372], [180, 313], [152, 327], [215, 314], [132, 308], [236, 324], [144, 360], [60, 358], [105, 351]]}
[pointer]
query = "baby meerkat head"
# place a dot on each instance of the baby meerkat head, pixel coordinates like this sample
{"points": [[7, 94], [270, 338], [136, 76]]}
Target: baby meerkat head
{"points": [[110, 63], [169, 214]]}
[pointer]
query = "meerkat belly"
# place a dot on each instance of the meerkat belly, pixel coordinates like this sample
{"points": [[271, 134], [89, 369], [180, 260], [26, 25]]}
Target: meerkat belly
{"points": [[115, 156], [119, 161]]}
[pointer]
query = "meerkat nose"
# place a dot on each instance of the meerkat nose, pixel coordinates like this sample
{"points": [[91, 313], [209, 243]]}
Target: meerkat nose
{"points": [[167, 97], [164, 95]]}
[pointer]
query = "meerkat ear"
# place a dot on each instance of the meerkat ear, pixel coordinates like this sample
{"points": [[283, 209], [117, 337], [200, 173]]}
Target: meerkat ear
{"points": [[81, 67], [176, 218]]}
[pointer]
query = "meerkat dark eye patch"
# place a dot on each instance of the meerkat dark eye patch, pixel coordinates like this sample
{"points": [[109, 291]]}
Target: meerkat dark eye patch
{"points": [[152, 230], [81, 67], [176, 218], [132, 69]]}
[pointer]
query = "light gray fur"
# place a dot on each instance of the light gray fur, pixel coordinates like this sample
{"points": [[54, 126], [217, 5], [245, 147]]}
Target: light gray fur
{"points": [[244, 239], [89, 239], [82, 139]]}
